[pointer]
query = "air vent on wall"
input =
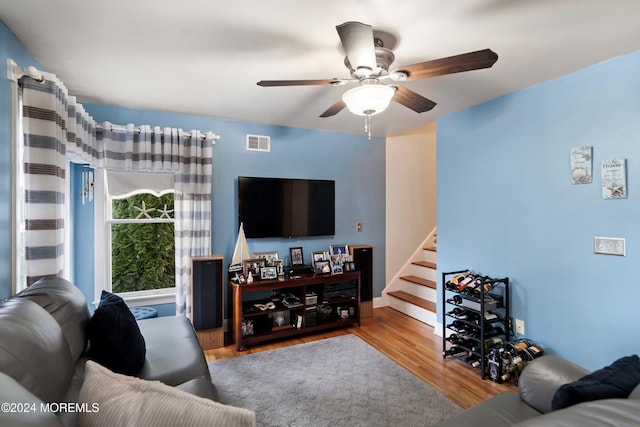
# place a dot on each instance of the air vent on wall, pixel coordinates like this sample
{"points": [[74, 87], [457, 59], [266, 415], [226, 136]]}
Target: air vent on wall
{"points": [[258, 143]]}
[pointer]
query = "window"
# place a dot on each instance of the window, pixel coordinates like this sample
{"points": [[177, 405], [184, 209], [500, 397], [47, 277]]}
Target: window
{"points": [[142, 243], [139, 239]]}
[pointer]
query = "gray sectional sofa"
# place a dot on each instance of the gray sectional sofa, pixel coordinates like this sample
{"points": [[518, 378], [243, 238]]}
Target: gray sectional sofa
{"points": [[45, 379], [537, 386]]}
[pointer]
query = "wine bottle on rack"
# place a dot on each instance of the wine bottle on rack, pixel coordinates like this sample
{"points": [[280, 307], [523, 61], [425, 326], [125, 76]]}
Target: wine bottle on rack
{"points": [[473, 318], [492, 331], [452, 284], [489, 344], [473, 360], [471, 288], [470, 278], [466, 343], [453, 339], [459, 325], [463, 328], [459, 313], [456, 299], [454, 351], [487, 286]]}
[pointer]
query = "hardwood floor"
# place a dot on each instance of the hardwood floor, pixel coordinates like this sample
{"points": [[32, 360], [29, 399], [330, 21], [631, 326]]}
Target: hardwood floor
{"points": [[409, 343]]}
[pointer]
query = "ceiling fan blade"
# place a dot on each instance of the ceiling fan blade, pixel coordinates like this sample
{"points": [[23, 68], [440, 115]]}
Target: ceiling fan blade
{"points": [[453, 64], [357, 40], [271, 83], [334, 109], [412, 100]]}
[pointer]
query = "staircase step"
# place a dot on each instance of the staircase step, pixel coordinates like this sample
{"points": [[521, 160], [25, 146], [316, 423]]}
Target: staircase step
{"points": [[420, 302], [431, 248], [420, 281], [425, 264]]}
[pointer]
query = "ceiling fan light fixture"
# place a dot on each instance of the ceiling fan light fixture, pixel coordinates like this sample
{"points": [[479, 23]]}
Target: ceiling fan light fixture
{"points": [[368, 100]]}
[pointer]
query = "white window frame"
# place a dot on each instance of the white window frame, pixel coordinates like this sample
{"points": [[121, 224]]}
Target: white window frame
{"points": [[102, 249]]}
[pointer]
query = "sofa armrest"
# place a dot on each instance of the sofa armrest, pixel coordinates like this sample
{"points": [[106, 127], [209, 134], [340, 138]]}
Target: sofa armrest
{"points": [[21, 408], [597, 413], [542, 377]]}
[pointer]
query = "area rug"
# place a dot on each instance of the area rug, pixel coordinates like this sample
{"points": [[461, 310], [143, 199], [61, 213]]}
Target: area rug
{"points": [[340, 381]]}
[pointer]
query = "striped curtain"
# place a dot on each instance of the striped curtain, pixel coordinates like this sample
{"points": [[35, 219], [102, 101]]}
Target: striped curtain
{"points": [[189, 157], [44, 163], [57, 128]]}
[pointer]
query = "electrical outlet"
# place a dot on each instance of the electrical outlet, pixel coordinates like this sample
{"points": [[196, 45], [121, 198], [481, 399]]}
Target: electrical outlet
{"points": [[519, 327], [359, 226]]}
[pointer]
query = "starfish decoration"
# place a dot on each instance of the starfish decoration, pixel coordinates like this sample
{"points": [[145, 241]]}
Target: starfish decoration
{"points": [[617, 191], [164, 213], [143, 211]]}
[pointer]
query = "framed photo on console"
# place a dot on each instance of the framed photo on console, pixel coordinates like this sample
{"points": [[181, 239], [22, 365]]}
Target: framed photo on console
{"points": [[338, 249], [268, 273], [317, 256], [336, 264], [322, 267], [270, 257], [297, 257], [253, 266]]}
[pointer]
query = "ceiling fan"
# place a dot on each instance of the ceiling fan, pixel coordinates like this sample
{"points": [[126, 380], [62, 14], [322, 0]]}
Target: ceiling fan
{"points": [[368, 62]]}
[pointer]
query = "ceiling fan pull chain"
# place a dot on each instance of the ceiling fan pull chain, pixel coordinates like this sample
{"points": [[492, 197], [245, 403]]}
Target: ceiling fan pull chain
{"points": [[367, 126]]}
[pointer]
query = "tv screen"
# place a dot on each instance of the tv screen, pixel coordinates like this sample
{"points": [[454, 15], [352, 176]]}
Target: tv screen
{"points": [[278, 207]]}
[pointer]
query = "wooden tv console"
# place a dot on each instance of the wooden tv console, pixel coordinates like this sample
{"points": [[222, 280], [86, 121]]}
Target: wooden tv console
{"points": [[326, 302]]}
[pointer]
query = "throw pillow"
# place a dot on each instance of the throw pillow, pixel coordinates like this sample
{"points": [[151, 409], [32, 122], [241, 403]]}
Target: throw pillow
{"points": [[114, 337], [614, 381], [119, 400]]}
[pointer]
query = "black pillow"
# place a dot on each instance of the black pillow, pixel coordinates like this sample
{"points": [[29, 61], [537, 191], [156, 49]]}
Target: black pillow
{"points": [[114, 337], [614, 381]]}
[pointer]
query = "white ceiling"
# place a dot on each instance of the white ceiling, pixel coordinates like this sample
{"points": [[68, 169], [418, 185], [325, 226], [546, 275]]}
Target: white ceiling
{"points": [[204, 57]]}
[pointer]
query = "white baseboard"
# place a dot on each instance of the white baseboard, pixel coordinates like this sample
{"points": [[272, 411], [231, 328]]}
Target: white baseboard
{"points": [[437, 329]]}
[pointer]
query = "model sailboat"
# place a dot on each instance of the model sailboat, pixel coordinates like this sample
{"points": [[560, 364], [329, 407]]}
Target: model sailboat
{"points": [[241, 252]]}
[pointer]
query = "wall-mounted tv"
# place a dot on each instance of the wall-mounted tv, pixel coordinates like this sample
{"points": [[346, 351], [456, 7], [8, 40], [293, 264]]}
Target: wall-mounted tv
{"points": [[279, 207]]}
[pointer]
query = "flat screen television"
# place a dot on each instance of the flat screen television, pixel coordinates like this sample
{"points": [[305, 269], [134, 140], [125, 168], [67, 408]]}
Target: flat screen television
{"points": [[279, 207]]}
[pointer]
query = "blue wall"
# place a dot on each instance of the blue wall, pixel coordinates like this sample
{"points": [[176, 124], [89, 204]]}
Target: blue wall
{"points": [[506, 206], [356, 164], [10, 47], [82, 225]]}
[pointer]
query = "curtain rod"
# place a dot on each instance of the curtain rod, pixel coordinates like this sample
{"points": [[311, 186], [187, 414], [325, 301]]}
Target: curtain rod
{"points": [[137, 130], [15, 72]]}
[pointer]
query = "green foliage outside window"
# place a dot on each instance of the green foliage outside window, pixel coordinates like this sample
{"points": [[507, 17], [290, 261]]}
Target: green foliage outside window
{"points": [[142, 254]]}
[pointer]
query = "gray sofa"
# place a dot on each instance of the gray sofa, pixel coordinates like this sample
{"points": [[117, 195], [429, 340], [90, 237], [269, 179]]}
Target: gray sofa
{"points": [[43, 345], [532, 406]]}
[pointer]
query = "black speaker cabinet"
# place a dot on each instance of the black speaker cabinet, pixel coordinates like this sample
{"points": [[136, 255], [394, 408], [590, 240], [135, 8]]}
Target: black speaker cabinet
{"points": [[363, 259], [207, 303]]}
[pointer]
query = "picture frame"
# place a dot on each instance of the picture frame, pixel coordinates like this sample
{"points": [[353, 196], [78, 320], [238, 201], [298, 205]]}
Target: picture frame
{"points": [[279, 265], [322, 267], [297, 256], [338, 249], [610, 246], [317, 256], [336, 264], [581, 165], [268, 272], [239, 278], [270, 257], [252, 266], [614, 178], [349, 266]]}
